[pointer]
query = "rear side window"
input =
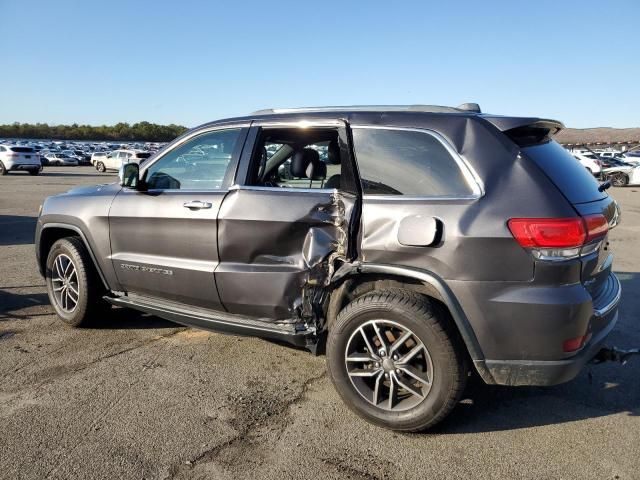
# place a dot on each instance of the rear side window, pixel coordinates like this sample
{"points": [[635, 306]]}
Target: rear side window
{"points": [[22, 149], [567, 173], [407, 162]]}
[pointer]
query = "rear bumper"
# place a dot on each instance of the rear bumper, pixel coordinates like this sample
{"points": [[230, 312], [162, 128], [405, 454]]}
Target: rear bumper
{"points": [[544, 373], [522, 329], [10, 166]]}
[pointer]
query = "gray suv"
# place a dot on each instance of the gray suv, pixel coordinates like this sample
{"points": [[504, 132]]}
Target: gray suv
{"points": [[414, 245]]}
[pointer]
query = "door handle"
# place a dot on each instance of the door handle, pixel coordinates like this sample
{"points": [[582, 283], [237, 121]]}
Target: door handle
{"points": [[196, 205]]}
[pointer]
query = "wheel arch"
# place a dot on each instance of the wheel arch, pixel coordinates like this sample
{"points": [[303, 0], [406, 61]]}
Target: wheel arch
{"points": [[348, 278], [51, 233]]}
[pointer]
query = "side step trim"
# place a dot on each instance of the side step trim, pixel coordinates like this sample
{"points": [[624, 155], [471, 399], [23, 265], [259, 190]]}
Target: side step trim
{"points": [[219, 321]]}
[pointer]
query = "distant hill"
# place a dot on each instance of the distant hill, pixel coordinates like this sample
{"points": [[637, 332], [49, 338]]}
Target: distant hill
{"points": [[599, 135]]}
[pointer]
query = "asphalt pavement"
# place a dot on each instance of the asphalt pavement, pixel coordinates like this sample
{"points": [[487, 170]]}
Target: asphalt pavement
{"points": [[139, 397]]}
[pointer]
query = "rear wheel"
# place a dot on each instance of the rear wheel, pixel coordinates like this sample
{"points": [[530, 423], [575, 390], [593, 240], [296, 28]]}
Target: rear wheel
{"points": [[396, 360], [3, 170], [619, 180], [34, 171], [74, 288], [100, 167]]}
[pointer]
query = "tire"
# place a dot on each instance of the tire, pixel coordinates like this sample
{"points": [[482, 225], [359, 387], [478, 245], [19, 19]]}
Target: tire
{"points": [[443, 357], [100, 167], [85, 283], [619, 180], [3, 170], [34, 171]]}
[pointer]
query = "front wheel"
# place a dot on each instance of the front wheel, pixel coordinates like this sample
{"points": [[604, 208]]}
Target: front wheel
{"points": [[396, 360], [100, 167], [3, 169], [74, 288]]}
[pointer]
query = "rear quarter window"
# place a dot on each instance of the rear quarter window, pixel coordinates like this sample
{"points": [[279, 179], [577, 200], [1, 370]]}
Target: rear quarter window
{"points": [[576, 183], [407, 162]]}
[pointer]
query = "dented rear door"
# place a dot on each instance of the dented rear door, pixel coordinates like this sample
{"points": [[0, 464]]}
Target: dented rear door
{"points": [[276, 243], [278, 247]]}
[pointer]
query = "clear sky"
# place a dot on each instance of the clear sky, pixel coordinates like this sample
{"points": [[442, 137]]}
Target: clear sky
{"points": [[188, 62]]}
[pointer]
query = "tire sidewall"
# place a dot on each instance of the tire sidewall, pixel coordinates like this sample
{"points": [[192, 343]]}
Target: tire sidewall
{"points": [[77, 316], [437, 344]]}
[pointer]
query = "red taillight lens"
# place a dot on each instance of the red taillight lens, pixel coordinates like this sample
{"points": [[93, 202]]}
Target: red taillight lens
{"points": [[574, 344], [558, 232], [597, 226], [548, 232]]}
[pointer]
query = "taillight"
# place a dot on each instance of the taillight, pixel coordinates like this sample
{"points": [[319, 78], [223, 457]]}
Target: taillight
{"points": [[597, 226], [558, 238]]}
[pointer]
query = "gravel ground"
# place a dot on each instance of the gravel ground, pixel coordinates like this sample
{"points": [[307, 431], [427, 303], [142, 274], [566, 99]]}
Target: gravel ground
{"points": [[143, 398]]}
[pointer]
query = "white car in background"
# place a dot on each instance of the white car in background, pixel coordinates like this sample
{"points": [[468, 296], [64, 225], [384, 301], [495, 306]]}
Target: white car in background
{"points": [[590, 161], [95, 156], [114, 160], [15, 157], [621, 173]]}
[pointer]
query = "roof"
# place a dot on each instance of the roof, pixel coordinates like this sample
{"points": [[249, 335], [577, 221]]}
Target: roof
{"points": [[464, 108]]}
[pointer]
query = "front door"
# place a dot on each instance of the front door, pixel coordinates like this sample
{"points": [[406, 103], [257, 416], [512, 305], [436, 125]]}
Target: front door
{"points": [[164, 238], [287, 222]]}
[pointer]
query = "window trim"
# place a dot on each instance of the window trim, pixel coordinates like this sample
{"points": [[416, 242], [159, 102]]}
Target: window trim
{"points": [[468, 172], [243, 129]]}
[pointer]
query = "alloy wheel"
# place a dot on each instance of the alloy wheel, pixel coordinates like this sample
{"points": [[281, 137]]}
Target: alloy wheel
{"points": [[388, 365], [64, 278]]}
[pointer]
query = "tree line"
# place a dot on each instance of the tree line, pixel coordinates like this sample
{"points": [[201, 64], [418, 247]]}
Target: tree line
{"points": [[142, 131]]}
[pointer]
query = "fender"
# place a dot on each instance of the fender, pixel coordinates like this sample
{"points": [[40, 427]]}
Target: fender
{"points": [[448, 298], [82, 236]]}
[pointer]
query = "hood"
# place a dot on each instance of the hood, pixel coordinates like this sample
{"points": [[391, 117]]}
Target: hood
{"points": [[620, 169], [94, 189]]}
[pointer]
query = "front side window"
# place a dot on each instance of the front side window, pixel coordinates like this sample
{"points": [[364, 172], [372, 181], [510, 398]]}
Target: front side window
{"points": [[198, 164], [407, 162]]}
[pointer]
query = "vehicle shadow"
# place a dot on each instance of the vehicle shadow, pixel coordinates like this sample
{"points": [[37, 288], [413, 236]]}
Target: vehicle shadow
{"points": [[118, 318], [12, 306], [17, 230], [12, 303], [106, 176], [599, 390]]}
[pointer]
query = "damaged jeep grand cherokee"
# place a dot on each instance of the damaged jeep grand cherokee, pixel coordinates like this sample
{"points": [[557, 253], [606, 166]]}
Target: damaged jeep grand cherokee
{"points": [[413, 244]]}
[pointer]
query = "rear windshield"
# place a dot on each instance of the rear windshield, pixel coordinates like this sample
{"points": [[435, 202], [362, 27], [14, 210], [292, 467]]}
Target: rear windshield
{"points": [[143, 155], [568, 174], [22, 149]]}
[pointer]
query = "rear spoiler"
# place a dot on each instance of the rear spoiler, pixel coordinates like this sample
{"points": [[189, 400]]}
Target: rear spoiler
{"points": [[526, 131]]}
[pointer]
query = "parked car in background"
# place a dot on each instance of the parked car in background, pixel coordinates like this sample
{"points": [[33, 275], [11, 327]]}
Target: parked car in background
{"points": [[95, 156], [61, 159], [19, 158], [83, 157], [621, 173], [117, 158], [590, 161]]}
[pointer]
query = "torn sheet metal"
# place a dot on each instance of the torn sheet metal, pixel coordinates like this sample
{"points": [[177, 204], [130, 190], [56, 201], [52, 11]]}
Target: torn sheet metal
{"points": [[278, 247]]}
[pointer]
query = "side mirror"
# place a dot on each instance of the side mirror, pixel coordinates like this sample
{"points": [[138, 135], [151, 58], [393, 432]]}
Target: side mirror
{"points": [[129, 174]]}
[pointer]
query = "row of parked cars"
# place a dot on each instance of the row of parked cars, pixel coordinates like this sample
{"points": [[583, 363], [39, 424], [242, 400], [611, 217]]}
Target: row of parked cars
{"points": [[620, 168], [31, 156]]}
